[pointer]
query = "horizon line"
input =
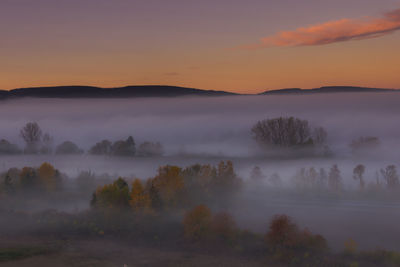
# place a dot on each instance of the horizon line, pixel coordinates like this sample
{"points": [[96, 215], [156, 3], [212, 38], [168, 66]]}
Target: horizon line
{"points": [[240, 92]]}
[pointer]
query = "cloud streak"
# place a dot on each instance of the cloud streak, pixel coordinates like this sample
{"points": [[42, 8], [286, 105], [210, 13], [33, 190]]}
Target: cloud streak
{"points": [[333, 32]]}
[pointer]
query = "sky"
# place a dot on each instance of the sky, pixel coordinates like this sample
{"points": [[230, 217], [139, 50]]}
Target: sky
{"points": [[244, 46]]}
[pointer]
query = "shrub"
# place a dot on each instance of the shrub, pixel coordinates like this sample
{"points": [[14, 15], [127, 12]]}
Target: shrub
{"points": [[287, 132], [48, 176], [101, 148], [125, 148], [197, 223], [284, 237], [115, 195], [364, 144], [150, 149], [68, 148], [6, 148]]}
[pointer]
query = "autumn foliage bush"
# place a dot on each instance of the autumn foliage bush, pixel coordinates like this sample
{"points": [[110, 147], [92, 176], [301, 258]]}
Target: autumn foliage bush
{"points": [[201, 226], [284, 238]]}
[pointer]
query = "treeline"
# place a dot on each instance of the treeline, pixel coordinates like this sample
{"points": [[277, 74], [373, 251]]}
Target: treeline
{"points": [[332, 179], [178, 207], [32, 181], [294, 134], [37, 142], [172, 188]]}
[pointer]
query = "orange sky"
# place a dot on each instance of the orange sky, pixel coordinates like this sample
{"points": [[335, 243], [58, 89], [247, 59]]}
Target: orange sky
{"points": [[75, 43]]}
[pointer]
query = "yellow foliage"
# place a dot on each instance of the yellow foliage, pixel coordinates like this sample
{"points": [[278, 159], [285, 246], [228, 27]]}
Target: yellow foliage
{"points": [[169, 182], [47, 175], [350, 246], [140, 200], [197, 223]]}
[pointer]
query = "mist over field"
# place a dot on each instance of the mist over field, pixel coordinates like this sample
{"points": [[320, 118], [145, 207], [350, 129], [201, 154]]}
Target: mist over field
{"points": [[209, 129], [205, 125]]}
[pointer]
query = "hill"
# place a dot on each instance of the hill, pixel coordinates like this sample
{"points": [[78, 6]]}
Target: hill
{"points": [[98, 92], [327, 89]]}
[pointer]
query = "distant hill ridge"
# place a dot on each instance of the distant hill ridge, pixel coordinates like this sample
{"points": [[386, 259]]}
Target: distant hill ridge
{"points": [[327, 89], [160, 91], [117, 92]]}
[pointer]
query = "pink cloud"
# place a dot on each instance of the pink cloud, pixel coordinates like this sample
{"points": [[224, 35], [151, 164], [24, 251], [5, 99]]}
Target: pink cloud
{"points": [[333, 32]]}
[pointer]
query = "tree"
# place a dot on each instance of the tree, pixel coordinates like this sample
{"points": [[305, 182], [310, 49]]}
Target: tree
{"points": [[364, 144], [154, 195], [112, 196], [139, 199], [170, 185], [9, 187], [102, 148], [335, 179], [196, 223], [306, 179], [223, 227], [32, 134], [389, 175], [150, 149], [322, 178], [6, 148], [282, 132], [68, 148], [125, 148], [275, 180], [47, 174], [320, 136], [282, 233], [256, 174], [358, 173], [226, 181], [47, 144], [29, 179], [86, 181], [284, 237]]}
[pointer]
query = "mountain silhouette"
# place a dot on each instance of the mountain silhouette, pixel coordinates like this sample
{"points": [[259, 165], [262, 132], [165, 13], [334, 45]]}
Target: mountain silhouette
{"points": [[161, 91], [326, 89], [118, 92]]}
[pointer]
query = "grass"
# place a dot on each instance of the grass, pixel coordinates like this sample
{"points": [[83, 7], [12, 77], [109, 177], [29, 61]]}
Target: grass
{"points": [[18, 253]]}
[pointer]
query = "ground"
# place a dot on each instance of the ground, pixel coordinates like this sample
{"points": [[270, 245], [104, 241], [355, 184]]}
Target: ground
{"points": [[109, 253]]}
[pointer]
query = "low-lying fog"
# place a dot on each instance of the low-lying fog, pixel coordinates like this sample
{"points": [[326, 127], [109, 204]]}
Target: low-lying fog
{"points": [[210, 129]]}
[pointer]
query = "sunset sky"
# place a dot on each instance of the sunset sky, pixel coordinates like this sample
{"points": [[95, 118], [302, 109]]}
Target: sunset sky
{"points": [[242, 46]]}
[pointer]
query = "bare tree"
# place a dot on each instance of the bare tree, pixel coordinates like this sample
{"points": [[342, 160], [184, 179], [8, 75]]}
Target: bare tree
{"points": [[358, 173], [47, 144], [32, 135], [389, 174], [322, 178], [335, 179], [256, 174], [320, 136], [275, 180], [287, 132], [364, 144]]}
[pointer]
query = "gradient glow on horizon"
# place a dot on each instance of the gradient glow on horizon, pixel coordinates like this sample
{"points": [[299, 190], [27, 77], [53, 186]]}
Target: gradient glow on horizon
{"points": [[189, 43]]}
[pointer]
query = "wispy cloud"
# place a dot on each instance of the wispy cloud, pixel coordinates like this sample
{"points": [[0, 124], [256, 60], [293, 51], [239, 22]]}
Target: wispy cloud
{"points": [[172, 73], [333, 32]]}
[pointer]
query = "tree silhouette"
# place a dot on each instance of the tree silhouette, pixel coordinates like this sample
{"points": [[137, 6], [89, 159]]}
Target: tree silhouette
{"points": [[32, 134], [335, 179], [358, 173], [389, 174]]}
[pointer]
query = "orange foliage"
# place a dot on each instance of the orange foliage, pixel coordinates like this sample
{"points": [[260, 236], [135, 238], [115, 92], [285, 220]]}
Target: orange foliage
{"points": [[284, 235], [47, 175], [115, 195], [197, 223], [170, 185], [223, 227], [140, 200]]}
